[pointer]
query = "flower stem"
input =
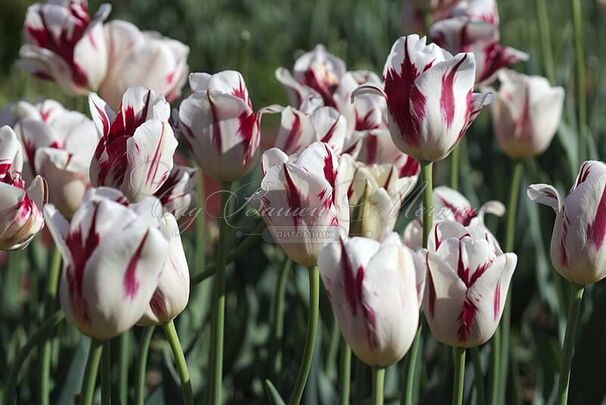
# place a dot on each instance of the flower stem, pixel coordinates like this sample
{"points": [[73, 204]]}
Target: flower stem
{"points": [[218, 319], [576, 297], [310, 339], [454, 168], [495, 369], [49, 306], [577, 27], [378, 382], [38, 336], [140, 374], [277, 317], [106, 373], [478, 376], [459, 376], [510, 230], [175, 346], [124, 343], [545, 36], [345, 372], [90, 373]]}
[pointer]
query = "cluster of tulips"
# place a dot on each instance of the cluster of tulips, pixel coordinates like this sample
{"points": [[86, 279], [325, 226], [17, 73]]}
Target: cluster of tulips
{"points": [[350, 148]]}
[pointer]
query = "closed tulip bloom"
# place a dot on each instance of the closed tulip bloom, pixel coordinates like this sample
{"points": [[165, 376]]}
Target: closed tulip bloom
{"points": [[467, 282], [377, 147], [429, 96], [375, 197], [172, 294], [113, 256], [372, 290], [477, 10], [177, 193], [219, 124], [136, 146], [145, 59], [461, 34], [526, 114], [63, 44], [450, 205], [303, 199], [578, 251], [20, 208], [60, 149]]}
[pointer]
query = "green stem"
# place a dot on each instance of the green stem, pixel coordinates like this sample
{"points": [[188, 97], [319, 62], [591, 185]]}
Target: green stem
{"points": [[545, 35], [427, 176], [345, 372], [409, 375], [510, 231], [277, 319], [49, 306], [124, 343], [478, 375], [218, 319], [310, 339], [495, 369], [175, 346], [577, 26], [141, 371], [454, 168], [459, 376], [426, 23], [576, 297], [38, 336], [378, 382], [106, 373], [87, 393]]}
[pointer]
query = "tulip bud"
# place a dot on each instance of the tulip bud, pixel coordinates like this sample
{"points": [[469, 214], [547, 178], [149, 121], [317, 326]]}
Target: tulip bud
{"points": [[219, 125], [429, 97], [375, 197], [63, 44], [467, 282], [145, 59], [303, 199], [21, 209], [113, 257], [525, 114], [372, 290], [577, 244], [136, 147], [177, 192], [450, 205]]}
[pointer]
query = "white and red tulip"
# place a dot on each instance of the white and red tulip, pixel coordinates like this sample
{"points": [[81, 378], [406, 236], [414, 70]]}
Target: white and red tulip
{"points": [[477, 10], [578, 251], [429, 96], [375, 197], [450, 205], [372, 289], [303, 199], [59, 147], [219, 124], [136, 146], [526, 114], [65, 45], [177, 193], [377, 147], [145, 59], [20, 208], [113, 258], [466, 285]]}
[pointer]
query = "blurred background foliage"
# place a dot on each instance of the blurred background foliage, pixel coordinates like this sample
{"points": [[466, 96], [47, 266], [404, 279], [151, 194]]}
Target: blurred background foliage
{"points": [[255, 37]]}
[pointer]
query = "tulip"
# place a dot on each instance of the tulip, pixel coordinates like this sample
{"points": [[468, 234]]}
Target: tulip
{"points": [[377, 147], [375, 197], [145, 59], [60, 149], [21, 209], [136, 147], [526, 113], [429, 97], [477, 10], [172, 293], [461, 34], [468, 278], [63, 44], [177, 193], [113, 254], [372, 290], [303, 199], [219, 124], [450, 205], [577, 249]]}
